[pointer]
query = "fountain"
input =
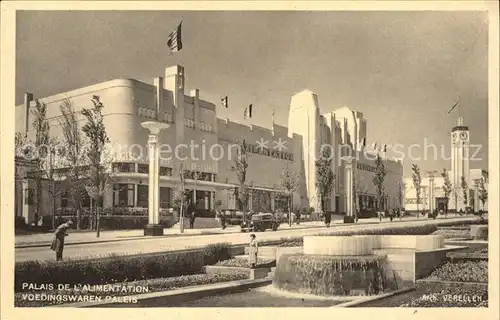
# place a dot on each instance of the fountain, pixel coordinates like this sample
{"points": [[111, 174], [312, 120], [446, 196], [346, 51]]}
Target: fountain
{"points": [[352, 265]]}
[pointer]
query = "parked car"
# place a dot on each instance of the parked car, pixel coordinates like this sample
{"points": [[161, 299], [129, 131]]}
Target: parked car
{"points": [[260, 222]]}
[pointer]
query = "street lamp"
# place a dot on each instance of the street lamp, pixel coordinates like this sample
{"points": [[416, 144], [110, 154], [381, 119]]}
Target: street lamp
{"points": [[154, 228], [431, 174]]}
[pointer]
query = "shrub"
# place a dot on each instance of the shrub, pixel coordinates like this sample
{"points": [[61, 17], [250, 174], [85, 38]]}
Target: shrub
{"points": [[243, 263], [406, 230], [449, 234], [481, 233], [19, 222], [121, 222], [214, 253], [120, 268], [467, 271], [324, 275]]}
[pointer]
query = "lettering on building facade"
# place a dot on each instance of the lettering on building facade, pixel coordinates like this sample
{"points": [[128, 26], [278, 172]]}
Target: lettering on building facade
{"points": [[366, 167], [270, 153]]}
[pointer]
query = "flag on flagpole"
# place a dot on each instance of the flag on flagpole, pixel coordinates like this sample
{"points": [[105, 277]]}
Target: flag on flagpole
{"points": [[245, 114], [224, 102], [456, 104], [385, 148], [363, 142], [174, 41], [250, 111]]}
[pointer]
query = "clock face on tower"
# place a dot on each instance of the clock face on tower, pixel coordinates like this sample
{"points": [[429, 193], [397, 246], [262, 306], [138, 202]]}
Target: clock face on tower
{"points": [[463, 135], [454, 136]]}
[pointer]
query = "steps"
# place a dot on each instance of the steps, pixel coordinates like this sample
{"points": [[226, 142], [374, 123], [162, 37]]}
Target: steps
{"points": [[270, 275], [259, 256], [264, 251]]}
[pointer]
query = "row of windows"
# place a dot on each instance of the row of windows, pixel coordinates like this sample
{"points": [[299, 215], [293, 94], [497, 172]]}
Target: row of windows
{"points": [[369, 202], [124, 196], [65, 198], [164, 171]]}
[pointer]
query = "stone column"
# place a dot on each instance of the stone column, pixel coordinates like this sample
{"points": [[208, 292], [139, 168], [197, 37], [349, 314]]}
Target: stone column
{"points": [[154, 228], [431, 193], [348, 188], [477, 202]]}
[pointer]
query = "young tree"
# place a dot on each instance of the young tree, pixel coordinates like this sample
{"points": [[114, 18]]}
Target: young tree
{"points": [[74, 148], [19, 141], [289, 183], [100, 165], [325, 177], [241, 168], [53, 164], [447, 189], [180, 194], [465, 190], [417, 184], [482, 192], [378, 179], [41, 127]]}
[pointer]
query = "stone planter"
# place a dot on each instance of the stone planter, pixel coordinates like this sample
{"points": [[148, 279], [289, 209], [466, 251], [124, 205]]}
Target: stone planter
{"points": [[286, 250], [420, 242]]}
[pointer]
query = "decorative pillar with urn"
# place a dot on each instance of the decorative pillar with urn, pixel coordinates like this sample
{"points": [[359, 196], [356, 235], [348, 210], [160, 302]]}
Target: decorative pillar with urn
{"points": [[154, 228]]}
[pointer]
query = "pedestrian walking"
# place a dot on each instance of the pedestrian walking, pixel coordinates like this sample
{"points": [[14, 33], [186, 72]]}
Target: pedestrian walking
{"points": [[328, 218], [253, 251], [58, 241], [192, 218], [223, 220]]}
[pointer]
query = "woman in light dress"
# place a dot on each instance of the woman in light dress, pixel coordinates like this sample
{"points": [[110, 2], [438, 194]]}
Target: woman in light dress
{"points": [[253, 251]]}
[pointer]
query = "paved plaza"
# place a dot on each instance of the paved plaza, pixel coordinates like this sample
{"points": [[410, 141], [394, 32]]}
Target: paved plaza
{"points": [[85, 245]]}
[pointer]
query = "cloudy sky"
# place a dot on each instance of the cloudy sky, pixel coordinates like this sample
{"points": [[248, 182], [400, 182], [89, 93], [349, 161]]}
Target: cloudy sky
{"points": [[403, 70]]}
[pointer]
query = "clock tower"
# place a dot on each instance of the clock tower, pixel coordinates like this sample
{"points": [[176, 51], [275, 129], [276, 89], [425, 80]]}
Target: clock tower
{"points": [[459, 163]]}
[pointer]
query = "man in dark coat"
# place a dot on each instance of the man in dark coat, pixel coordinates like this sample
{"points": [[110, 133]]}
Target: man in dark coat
{"points": [[192, 215], [328, 218], [58, 242], [223, 219]]}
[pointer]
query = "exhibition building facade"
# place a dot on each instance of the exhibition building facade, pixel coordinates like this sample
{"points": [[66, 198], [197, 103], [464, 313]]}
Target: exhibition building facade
{"points": [[206, 148]]}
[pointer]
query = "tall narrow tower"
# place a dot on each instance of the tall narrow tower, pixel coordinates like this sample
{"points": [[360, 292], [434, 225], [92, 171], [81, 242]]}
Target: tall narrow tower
{"points": [[459, 163]]}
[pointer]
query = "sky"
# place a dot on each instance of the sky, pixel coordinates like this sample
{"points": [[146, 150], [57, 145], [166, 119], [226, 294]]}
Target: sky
{"points": [[402, 70]]}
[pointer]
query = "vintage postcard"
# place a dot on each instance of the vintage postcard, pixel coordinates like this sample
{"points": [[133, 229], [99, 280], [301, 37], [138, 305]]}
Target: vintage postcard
{"points": [[322, 158]]}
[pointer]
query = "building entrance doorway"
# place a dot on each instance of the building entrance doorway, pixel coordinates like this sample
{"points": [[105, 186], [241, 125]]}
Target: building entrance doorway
{"points": [[441, 204]]}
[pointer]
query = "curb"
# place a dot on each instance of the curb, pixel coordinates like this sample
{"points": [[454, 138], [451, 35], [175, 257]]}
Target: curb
{"points": [[45, 244], [172, 296], [453, 283], [135, 238], [357, 303]]}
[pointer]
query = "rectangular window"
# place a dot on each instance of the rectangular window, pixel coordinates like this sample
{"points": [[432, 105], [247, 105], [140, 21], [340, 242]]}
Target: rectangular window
{"points": [[165, 171], [143, 168], [29, 197], [165, 197], [124, 167], [123, 195], [64, 199], [142, 196], [85, 200]]}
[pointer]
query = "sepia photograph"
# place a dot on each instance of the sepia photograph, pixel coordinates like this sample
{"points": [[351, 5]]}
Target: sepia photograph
{"points": [[251, 158]]}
